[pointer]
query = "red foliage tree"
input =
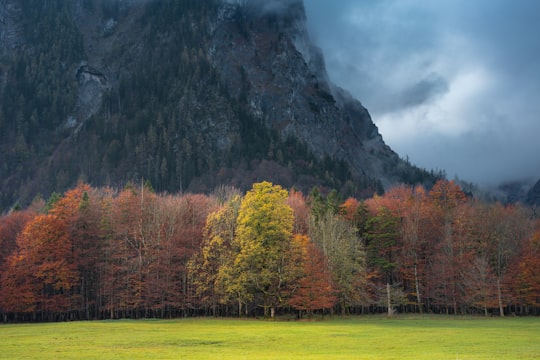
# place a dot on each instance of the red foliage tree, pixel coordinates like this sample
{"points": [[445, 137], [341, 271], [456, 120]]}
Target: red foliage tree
{"points": [[10, 227], [297, 202], [315, 289], [452, 251], [42, 269], [20, 290], [526, 274]]}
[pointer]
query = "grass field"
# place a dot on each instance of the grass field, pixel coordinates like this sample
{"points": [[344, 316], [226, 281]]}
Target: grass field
{"points": [[369, 337]]}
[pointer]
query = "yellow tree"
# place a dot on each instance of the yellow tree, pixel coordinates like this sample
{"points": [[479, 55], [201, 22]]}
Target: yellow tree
{"points": [[266, 260], [212, 264]]}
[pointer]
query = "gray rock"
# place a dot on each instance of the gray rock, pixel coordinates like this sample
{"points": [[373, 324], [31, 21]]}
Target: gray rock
{"points": [[533, 196], [267, 56]]}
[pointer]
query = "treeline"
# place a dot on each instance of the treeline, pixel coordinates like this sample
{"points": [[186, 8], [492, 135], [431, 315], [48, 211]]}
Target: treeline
{"points": [[100, 253]]}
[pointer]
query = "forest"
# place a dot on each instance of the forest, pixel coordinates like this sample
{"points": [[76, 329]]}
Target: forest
{"points": [[166, 115], [104, 253]]}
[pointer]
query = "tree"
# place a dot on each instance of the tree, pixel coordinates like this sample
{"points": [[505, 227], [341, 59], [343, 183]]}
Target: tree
{"points": [[263, 237], [14, 287], [337, 239], [498, 231], [300, 208], [453, 252], [527, 272], [415, 231], [479, 285], [19, 292], [150, 240], [355, 212], [10, 226], [209, 266], [41, 275], [315, 289], [411, 209], [85, 232], [80, 214], [382, 236], [192, 217]]}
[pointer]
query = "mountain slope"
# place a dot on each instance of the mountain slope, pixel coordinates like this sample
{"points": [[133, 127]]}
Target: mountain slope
{"points": [[187, 94], [533, 195], [266, 58]]}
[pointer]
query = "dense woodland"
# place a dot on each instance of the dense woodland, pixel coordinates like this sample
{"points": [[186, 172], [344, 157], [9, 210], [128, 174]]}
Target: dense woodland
{"points": [[103, 253]]}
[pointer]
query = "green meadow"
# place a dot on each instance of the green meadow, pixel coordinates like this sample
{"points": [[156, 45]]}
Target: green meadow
{"points": [[370, 337]]}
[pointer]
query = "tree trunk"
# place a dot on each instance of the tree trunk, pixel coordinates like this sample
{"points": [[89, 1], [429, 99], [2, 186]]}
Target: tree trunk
{"points": [[272, 312], [499, 295], [417, 285], [389, 300]]}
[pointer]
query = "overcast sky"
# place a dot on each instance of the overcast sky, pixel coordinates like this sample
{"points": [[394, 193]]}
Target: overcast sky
{"points": [[451, 84]]}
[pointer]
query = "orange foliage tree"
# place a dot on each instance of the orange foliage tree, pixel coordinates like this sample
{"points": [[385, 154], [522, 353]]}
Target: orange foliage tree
{"points": [[41, 275], [526, 275], [315, 290]]}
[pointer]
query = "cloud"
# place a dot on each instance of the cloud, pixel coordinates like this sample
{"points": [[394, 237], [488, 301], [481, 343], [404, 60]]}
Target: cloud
{"points": [[265, 6], [454, 84], [424, 90]]}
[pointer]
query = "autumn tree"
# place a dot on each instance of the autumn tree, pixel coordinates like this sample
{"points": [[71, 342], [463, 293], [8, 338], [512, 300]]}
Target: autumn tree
{"points": [[355, 212], [10, 227], [452, 251], [128, 245], [41, 275], [479, 285], [79, 208], [526, 273], [498, 232], [210, 267], [315, 289], [150, 239], [265, 251], [20, 290], [337, 239], [179, 220], [416, 251], [297, 202]]}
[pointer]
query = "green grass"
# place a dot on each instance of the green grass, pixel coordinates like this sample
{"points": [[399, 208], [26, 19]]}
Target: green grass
{"points": [[369, 337]]}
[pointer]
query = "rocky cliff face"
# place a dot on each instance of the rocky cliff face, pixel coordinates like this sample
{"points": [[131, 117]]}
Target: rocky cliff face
{"points": [[266, 57], [10, 25], [533, 196], [187, 94]]}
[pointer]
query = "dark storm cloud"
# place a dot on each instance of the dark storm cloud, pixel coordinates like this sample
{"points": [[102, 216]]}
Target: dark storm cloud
{"points": [[453, 84], [423, 91]]}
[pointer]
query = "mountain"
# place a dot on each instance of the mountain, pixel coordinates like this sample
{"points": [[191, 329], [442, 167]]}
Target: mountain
{"points": [[533, 195], [187, 94]]}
